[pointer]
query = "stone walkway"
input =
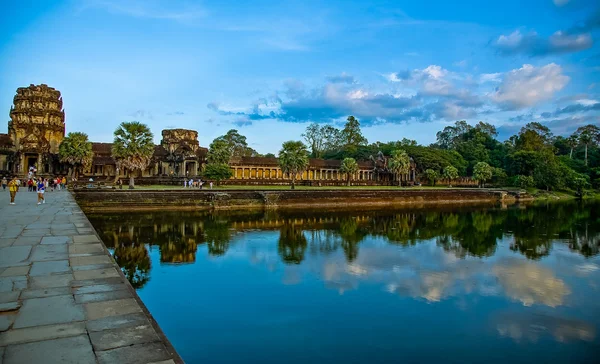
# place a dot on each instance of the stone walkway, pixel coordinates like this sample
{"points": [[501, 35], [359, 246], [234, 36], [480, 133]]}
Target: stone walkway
{"points": [[62, 297]]}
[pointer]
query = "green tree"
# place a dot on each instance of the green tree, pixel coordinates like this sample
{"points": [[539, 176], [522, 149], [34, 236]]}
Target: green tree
{"points": [[76, 151], [270, 155], [572, 142], [450, 173], [351, 135], [349, 166], [217, 172], [133, 147], [237, 144], [587, 135], [292, 244], [431, 176], [482, 172], [218, 152], [399, 163], [293, 159]]}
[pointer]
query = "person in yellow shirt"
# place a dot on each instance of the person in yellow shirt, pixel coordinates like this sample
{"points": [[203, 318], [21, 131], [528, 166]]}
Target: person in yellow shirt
{"points": [[63, 183], [13, 188]]}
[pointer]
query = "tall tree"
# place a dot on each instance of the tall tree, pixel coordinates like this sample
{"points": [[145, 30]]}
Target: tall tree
{"points": [[534, 136], [76, 151], [450, 173], [482, 172], [449, 136], [219, 152], [237, 144], [293, 159], [133, 147], [431, 175], [572, 142], [399, 163], [349, 166], [587, 135], [351, 134], [315, 139]]}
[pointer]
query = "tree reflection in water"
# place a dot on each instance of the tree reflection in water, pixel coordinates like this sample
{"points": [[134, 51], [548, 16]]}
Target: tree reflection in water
{"points": [[292, 244], [462, 231]]}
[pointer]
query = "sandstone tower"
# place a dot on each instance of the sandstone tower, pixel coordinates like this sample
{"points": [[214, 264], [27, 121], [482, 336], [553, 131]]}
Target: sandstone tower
{"points": [[37, 128]]}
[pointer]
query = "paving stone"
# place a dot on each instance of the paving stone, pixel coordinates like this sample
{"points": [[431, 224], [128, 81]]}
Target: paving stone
{"points": [[85, 231], [9, 306], [115, 322], [6, 320], [85, 249], [71, 350], [4, 242], [96, 274], [15, 271], [48, 268], [97, 310], [39, 225], [63, 232], [64, 226], [135, 354], [110, 339], [48, 310], [13, 233], [59, 280], [39, 333], [27, 240], [9, 296], [97, 288], [81, 225], [14, 254], [36, 232], [48, 292], [94, 259], [103, 296], [49, 252], [170, 361], [56, 240], [13, 283], [92, 267], [83, 239], [93, 282]]}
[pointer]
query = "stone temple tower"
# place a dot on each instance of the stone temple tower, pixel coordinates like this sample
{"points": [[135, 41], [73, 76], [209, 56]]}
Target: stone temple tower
{"points": [[37, 128]]}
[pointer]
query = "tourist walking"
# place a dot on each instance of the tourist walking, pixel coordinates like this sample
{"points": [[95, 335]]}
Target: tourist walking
{"points": [[4, 183], [13, 188], [211, 184], [63, 182], [41, 189]]}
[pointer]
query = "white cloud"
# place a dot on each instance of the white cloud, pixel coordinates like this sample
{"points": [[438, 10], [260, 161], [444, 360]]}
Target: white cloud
{"points": [[490, 77], [529, 85]]}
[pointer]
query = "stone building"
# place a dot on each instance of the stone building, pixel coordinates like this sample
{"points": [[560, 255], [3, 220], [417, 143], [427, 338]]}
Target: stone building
{"points": [[37, 127], [35, 130]]}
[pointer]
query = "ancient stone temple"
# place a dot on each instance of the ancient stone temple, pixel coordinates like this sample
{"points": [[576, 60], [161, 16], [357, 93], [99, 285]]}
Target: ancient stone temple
{"points": [[37, 127], [35, 131]]}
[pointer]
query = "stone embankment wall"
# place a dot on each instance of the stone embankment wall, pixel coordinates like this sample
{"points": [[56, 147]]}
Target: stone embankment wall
{"points": [[94, 200]]}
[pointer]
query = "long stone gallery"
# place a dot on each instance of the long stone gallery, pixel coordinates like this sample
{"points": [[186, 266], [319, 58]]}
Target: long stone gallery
{"points": [[38, 123]]}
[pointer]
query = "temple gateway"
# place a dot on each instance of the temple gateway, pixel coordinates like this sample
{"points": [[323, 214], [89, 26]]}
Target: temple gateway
{"points": [[37, 127]]}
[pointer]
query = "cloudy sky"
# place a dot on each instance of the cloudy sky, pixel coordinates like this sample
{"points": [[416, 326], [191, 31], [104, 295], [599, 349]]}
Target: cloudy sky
{"points": [[268, 68]]}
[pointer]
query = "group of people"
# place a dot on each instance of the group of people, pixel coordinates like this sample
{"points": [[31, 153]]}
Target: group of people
{"points": [[195, 184], [39, 185]]}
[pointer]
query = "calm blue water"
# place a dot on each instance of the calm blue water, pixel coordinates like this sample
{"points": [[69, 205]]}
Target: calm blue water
{"points": [[438, 285]]}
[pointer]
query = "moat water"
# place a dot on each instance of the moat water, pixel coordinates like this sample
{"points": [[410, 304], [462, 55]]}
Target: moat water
{"points": [[447, 284]]}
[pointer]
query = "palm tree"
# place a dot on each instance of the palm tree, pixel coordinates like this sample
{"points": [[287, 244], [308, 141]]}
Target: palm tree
{"points": [[399, 163], [349, 166], [133, 147], [293, 159], [587, 135], [450, 173], [76, 150], [482, 172], [572, 143]]}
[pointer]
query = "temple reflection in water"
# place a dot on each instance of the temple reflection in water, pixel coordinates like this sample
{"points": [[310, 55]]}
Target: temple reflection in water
{"points": [[460, 232]]}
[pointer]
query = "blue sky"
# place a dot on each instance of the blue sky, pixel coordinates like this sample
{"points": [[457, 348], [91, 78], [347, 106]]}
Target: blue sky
{"points": [[268, 68]]}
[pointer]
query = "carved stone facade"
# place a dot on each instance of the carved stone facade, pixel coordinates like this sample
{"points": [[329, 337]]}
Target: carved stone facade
{"points": [[35, 131], [37, 128]]}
